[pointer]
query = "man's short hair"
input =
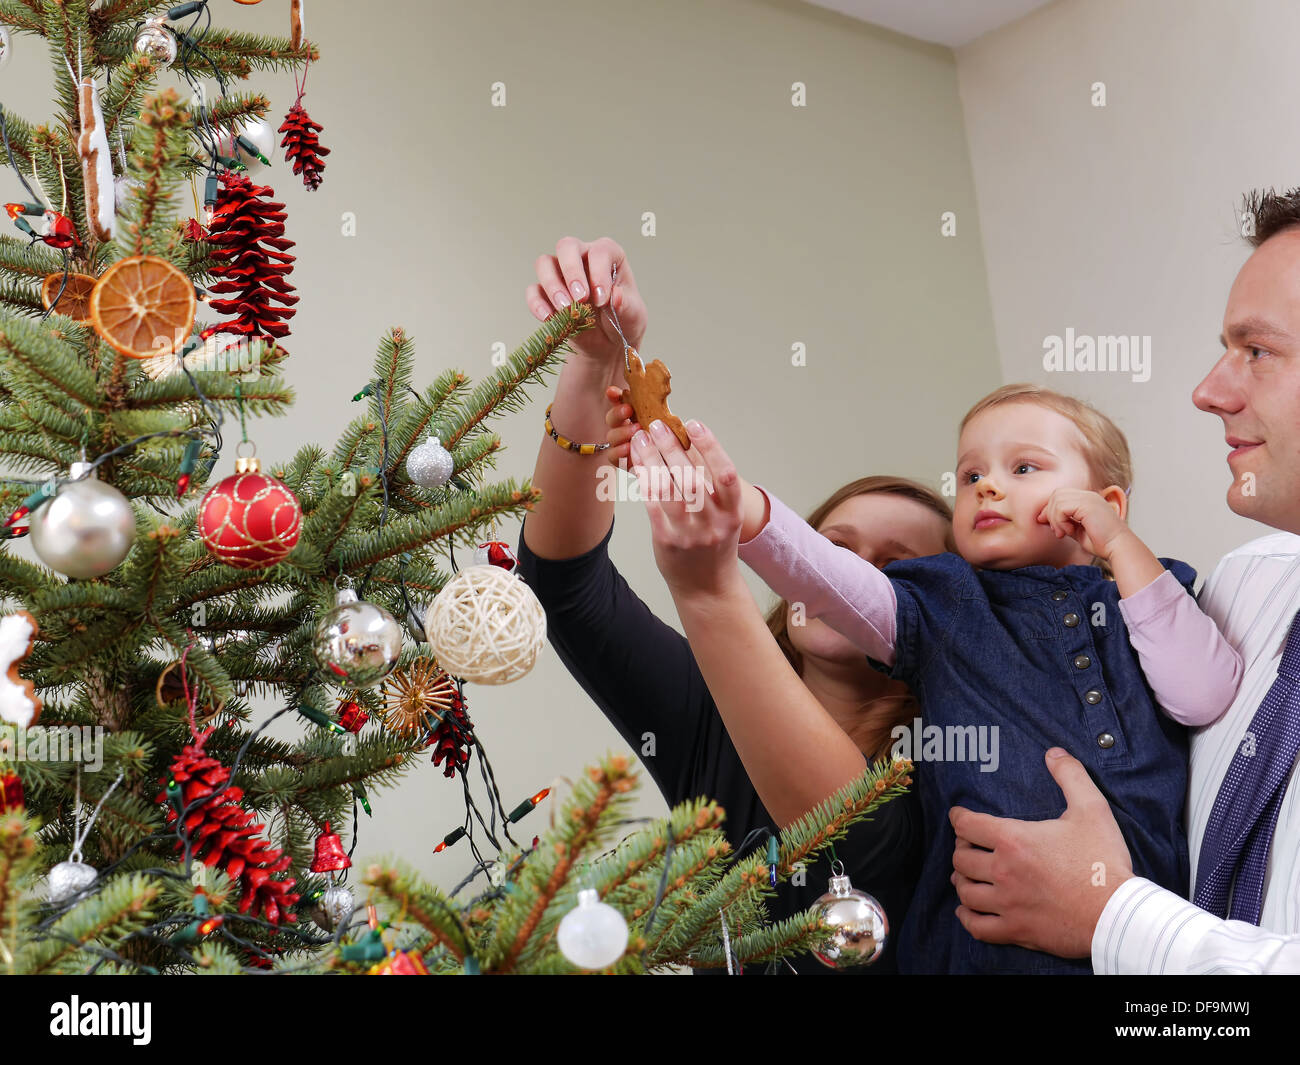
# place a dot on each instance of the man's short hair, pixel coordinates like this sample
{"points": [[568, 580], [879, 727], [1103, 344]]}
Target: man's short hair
{"points": [[1274, 212]]}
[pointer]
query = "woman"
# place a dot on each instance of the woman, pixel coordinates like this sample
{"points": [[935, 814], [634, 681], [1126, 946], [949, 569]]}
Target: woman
{"points": [[768, 742]]}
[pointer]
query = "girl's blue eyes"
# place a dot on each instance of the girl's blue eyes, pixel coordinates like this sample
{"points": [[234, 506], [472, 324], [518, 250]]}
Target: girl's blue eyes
{"points": [[1018, 468]]}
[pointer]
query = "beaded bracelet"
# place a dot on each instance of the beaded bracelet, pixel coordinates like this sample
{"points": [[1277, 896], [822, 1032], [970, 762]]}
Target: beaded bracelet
{"points": [[569, 445]]}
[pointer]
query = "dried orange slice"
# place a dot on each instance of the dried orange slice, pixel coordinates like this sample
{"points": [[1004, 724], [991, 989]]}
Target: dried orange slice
{"points": [[75, 301], [143, 306]]}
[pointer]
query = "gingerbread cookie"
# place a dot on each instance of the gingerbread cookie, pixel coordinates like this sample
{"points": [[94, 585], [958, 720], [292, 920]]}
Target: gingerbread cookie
{"points": [[647, 393], [19, 704]]}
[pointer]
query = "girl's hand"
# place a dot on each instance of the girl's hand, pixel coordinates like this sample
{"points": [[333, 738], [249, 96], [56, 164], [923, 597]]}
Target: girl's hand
{"points": [[582, 270], [695, 526], [622, 423], [1086, 516]]}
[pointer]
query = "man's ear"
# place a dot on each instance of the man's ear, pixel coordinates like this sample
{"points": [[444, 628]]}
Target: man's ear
{"points": [[1118, 499]]}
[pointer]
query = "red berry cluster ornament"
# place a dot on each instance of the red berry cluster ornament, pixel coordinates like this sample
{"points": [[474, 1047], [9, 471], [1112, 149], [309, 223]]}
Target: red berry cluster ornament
{"points": [[248, 242], [223, 834], [453, 737], [11, 792], [302, 147]]}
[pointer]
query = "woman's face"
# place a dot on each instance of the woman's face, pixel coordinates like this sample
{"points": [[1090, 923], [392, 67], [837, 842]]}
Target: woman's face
{"points": [[882, 528]]}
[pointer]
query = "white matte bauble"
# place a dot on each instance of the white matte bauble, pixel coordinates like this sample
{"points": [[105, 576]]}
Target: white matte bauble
{"points": [[859, 923], [69, 879], [357, 643], [334, 907], [156, 41], [593, 935], [430, 465], [86, 530], [486, 626], [6, 45]]}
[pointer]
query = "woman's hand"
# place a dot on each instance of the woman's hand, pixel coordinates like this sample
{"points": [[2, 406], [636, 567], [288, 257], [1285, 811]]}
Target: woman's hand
{"points": [[581, 270], [695, 525]]}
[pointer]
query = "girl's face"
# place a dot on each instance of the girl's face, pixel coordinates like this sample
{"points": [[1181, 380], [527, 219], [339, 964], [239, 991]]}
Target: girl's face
{"points": [[882, 528], [1010, 459]]}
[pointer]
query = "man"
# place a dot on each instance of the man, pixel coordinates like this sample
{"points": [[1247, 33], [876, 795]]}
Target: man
{"points": [[1066, 886]]}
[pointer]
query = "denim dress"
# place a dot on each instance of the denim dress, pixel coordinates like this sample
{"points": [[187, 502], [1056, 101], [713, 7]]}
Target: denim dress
{"points": [[1042, 655]]}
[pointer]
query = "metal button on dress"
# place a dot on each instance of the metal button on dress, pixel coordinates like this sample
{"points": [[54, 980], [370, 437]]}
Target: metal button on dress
{"points": [[1058, 596], [1092, 696], [1105, 740], [1071, 620], [1082, 662]]}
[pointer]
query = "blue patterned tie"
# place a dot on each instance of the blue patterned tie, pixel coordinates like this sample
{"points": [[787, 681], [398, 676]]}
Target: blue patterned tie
{"points": [[1234, 853]]}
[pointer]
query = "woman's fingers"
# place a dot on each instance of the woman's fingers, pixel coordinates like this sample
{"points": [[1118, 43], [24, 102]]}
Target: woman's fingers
{"points": [[551, 281], [726, 481], [571, 253], [538, 302], [656, 478]]}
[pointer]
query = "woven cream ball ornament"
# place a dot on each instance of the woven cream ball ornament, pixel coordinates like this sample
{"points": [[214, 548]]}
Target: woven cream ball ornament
{"points": [[486, 626]]}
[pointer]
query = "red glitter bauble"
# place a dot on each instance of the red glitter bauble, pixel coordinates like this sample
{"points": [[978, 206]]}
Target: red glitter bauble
{"points": [[250, 520]]}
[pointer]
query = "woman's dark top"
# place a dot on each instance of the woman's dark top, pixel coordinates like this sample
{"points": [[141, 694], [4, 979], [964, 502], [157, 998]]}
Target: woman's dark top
{"points": [[643, 676]]}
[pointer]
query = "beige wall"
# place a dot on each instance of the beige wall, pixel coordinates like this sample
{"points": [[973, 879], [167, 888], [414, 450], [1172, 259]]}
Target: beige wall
{"points": [[1120, 219], [775, 225]]}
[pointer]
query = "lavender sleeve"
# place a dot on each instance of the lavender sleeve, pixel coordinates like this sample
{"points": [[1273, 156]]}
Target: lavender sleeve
{"points": [[1191, 667], [833, 583]]}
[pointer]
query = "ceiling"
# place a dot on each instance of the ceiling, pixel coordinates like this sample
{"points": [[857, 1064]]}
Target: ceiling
{"points": [[950, 22]]}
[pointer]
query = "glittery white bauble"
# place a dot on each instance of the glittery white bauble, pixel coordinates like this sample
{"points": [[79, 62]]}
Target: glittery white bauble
{"points": [[859, 923], [86, 530], [6, 45], [357, 643], [68, 879], [156, 41], [486, 626], [334, 907], [593, 935], [430, 465]]}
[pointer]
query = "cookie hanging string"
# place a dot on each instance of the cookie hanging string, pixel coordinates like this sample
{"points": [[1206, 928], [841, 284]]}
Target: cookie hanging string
{"points": [[613, 317]]}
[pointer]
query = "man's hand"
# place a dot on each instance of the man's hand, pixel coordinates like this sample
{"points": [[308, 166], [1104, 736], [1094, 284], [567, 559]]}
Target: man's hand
{"points": [[1041, 884]]}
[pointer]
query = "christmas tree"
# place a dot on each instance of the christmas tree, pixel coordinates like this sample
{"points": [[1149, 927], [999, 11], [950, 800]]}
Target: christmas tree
{"points": [[172, 595]]}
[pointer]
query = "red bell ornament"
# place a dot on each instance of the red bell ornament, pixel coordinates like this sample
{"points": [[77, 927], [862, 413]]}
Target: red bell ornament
{"points": [[496, 553], [330, 855], [250, 520]]}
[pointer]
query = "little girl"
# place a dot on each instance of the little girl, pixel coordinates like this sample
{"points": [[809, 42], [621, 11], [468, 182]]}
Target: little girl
{"points": [[1023, 642]]}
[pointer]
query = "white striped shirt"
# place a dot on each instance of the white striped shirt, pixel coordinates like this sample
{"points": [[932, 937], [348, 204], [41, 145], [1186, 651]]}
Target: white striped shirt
{"points": [[1253, 594]]}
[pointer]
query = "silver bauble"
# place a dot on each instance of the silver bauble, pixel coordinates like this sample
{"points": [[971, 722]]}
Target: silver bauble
{"points": [[68, 879], [6, 45], [261, 134], [334, 907], [430, 465], [156, 41], [859, 922], [86, 530], [415, 623], [357, 643]]}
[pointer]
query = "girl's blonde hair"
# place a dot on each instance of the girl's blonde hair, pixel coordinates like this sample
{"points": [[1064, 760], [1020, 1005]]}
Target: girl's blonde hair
{"points": [[870, 737], [1105, 447]]}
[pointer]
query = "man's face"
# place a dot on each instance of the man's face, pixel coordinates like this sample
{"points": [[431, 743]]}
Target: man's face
{"points": [[1255, 386]]}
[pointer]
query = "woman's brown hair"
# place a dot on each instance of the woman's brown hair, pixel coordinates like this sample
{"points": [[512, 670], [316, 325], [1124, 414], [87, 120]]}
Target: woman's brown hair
{"points": [[866, 734]]}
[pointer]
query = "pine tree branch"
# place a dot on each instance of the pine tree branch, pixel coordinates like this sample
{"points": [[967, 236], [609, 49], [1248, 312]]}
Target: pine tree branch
{"points": [[160, 146], [27, 260], [502, 392], [415, 531], [235, 55], [45, 362], [124, 97], [23, 15], [428, 908]]}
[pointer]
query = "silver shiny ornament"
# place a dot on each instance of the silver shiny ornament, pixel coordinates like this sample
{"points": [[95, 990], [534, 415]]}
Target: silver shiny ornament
{"points": [[430, 465], [357, 643], [6, 45], [859, 923], [156, 41], [86, 530], [69, 879], [333, 908], [415, 623], [261, 135]]}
